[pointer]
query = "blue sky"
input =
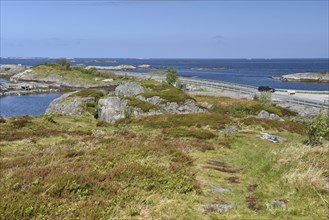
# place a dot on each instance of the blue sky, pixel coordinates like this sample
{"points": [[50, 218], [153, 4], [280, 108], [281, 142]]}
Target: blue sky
{"points": [[165, 29]]}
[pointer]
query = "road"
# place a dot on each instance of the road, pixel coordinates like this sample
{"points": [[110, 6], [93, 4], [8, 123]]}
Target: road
{"points": [[310, 98]]}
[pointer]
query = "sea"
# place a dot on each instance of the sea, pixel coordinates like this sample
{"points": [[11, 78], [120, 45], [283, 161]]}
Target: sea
{"points": [[251, 72]]}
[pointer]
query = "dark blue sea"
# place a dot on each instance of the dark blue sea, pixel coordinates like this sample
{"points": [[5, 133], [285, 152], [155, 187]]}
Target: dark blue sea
{"points": [[253, 72]]}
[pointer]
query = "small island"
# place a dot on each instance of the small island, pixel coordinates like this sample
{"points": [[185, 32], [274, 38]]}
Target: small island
{"points": [[209, 68], [322, 77]]}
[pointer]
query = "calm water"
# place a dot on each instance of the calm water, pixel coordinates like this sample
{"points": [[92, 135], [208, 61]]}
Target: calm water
{"points": [[254, 72], [26, 105]]}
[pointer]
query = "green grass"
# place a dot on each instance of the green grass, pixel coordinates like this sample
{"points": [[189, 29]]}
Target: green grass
{"points": [[159, 167], [88, 93], [199, 120], [240, 107], [72, 74], [164, 90], [145, 106], [156, 73]]}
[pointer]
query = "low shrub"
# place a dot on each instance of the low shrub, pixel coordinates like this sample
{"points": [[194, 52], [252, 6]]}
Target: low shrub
{"points": [[318, 130], [88, 93], [190, 132], [164, 90], [211, 120], [279, 125], [20, 121], [145, 106], [2, 119]]}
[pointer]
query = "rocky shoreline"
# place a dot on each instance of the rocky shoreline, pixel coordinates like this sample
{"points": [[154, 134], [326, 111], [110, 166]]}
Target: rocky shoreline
{"points": [[305, 77]]}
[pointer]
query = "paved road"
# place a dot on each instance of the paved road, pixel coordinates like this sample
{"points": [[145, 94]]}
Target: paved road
{"points": [[252, 91], [280, 96]]}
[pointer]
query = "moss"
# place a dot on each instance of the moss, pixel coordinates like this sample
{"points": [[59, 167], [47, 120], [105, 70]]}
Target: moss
{"points": [[20, 121], [164, 90], [214, 121], [145, 106], [290, 126], [88, 93]]}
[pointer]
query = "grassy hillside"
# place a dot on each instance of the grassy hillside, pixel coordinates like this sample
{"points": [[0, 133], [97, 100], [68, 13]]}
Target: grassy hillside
{"points": [[70, 74], [55, 167]]}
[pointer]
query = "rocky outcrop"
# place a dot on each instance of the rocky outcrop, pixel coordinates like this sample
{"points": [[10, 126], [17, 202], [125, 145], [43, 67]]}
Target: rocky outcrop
{"points": [[119, 67], [144, 66], [112, 109], [25, 88], [7, 70], [117, 107], [189, 106], [266, 115], [271, 138], [218, 207], [305, 77], [70, 105], [129, 89]]}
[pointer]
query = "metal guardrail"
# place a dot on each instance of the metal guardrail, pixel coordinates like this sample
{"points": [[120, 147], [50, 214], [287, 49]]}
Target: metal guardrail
{"points": [[249, 90]]}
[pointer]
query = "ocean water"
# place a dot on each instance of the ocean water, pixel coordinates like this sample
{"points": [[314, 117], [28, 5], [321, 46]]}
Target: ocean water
{"points": [[26, 105], [253, 72]]}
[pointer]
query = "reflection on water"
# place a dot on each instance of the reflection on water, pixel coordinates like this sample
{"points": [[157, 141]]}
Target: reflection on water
{"points": [[26, 105]]}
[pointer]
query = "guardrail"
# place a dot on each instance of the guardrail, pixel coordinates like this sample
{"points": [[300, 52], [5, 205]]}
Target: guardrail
{"points": [[252, 91]]}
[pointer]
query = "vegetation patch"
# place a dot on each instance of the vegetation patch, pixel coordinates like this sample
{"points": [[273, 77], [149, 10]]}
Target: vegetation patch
{"points": [[145, 106], [164, 90], [242, 107], [88, 93], [279, 125], [213, 121], [190, 132]]}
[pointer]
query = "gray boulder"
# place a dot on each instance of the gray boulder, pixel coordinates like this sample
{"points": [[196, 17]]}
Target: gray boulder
{"points": [[231, 129], [272, 138], [155, 100], [219, 189], [189, 106], [266, 115], [279, 203], [218, 207], [112, 108], [70, 105], [129, 89]]}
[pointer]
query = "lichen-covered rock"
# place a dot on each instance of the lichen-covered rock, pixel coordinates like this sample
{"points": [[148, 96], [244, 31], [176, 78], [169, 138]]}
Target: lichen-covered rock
{"points": [[129, 89], [218, 207], [266, 115], [189, 106], [112, 108], [155, 100], [70, 105]]}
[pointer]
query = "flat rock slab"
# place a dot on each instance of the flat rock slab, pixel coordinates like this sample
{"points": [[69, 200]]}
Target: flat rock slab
{"points": [[271, 138], [219, 189], [218, 207]]}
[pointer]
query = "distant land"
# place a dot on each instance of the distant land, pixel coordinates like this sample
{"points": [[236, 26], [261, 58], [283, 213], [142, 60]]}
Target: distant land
{"points": [[305, 77]]}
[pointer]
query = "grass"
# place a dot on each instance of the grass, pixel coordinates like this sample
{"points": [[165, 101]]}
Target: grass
{"points": [[242, 107], [145, 106], [72, 75], [156, 73], [199, 120], [164, 90], [159, 167]]}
